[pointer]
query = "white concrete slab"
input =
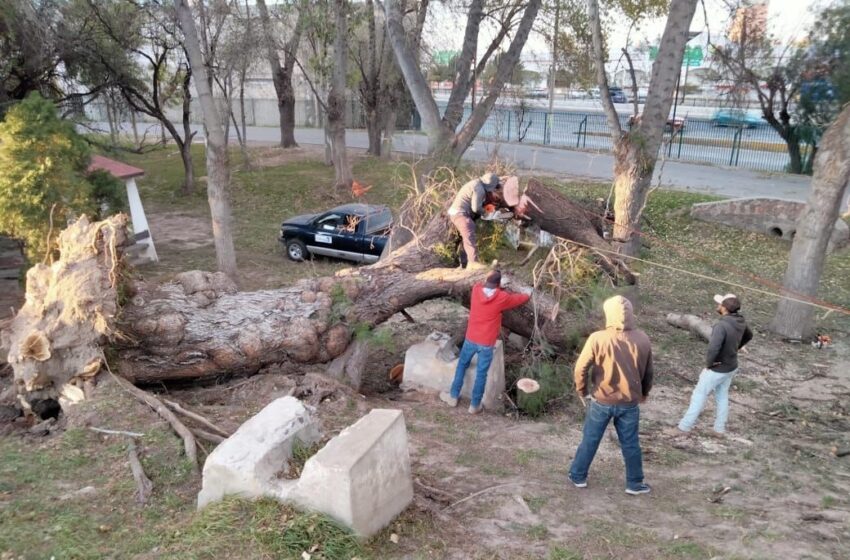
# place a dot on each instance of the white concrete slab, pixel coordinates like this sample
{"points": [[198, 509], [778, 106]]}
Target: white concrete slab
{"points": [[247, 463], [362, 477], [424, 370]]}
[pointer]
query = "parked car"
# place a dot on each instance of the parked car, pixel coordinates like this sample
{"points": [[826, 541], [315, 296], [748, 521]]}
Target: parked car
{"points": [[676, 124], [735, 117], [618, 95], [354, 232]]}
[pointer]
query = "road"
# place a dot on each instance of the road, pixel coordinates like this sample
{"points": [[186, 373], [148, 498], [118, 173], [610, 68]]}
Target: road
{"points": [[720, 181]]}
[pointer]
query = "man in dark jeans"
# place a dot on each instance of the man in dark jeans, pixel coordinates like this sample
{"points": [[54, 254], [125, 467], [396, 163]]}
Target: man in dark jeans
{"points": [[614, 371]]}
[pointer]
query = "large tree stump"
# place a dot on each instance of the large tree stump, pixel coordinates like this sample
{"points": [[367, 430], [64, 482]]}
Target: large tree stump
{"points": [[55, 339]]}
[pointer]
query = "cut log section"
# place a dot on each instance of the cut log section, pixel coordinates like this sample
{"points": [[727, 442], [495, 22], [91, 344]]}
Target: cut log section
{"points": [[699, 327]]}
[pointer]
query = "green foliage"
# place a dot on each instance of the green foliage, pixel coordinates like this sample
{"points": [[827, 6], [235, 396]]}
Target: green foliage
{"points": [[491, 239], [43, 164], [555, 381], [109, 194], [377, 338]]}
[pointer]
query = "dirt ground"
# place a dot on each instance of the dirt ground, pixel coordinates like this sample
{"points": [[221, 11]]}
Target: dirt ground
{"points": [[494, 485]]}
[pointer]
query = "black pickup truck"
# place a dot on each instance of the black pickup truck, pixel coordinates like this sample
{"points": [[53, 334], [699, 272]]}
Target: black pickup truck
{"points": [[354, 232]]}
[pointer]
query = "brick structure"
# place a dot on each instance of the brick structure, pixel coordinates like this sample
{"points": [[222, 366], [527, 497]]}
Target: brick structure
{"points": [[771, 216]]}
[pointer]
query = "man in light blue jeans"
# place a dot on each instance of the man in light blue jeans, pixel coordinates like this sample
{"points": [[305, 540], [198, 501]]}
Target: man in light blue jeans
{"points": [[729, 335]]}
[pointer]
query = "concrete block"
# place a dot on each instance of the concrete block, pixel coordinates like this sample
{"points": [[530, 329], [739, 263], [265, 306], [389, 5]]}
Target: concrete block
{"points": [[424, 370], [247, 463], [771, 216], [362, 477]]}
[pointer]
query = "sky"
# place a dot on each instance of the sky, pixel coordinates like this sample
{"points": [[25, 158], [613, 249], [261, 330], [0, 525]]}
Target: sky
{"points": [[787, 19]]}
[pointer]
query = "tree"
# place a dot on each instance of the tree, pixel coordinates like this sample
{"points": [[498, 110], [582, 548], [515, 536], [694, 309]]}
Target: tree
{"points": [[44, 179], [218, 165], [636, 149], [282, 73], [30, 50], [380, 84], [793, 317], [137, 49], [337, 97], [825, 77], [445, 142], [750, 60]]}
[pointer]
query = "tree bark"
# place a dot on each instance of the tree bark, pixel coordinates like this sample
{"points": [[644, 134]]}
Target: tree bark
{"points": [[637, 151], [601, 77], [282, 74], [795, 163], [186, 144], [218, 166], [558, 215], [336, 97], [794, 319]]}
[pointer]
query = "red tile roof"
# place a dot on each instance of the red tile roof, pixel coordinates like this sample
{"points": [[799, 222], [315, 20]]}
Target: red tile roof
{"points": [[115, 168]]}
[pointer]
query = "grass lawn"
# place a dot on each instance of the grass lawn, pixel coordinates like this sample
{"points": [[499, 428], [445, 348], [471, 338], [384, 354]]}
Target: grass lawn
{"points": [[46, 511]]}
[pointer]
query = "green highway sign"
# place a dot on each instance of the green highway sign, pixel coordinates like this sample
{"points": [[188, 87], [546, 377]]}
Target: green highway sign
{"points": [[693, 56], [444, 57]]}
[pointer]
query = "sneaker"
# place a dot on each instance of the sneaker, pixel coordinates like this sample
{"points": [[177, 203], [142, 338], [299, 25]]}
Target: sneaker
{"points": [[448, 399], [674, 431], [577, 484], [476, 409], [639, 489]]}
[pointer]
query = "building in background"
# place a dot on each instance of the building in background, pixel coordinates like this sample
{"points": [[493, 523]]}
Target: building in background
{"points": [[749, 23]]}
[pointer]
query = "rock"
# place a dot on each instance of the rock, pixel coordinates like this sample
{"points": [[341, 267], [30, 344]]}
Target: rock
{"points": [[362, 477], [81, 493], [8, 413], [247, 462], [424, 370]]}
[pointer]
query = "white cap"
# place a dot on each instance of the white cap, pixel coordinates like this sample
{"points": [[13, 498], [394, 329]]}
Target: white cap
{"points": [[718, 299]]}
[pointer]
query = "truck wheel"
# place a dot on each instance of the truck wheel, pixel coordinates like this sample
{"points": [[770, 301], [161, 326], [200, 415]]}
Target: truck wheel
{"points": [[296, 250]]}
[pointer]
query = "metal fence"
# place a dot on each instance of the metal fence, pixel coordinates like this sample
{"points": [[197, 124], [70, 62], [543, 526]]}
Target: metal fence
{"points": [[697, 140]]}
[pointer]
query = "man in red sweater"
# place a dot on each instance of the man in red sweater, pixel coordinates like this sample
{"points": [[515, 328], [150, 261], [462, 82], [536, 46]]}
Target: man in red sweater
{"points": [[488, 301]]}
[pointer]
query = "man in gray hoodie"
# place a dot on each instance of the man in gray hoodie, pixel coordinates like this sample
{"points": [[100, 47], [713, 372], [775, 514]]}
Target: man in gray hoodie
{"points": [[468, 205], [729, 335]]}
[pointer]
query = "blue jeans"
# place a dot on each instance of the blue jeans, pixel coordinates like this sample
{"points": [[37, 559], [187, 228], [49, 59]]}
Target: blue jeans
{"points": [[626, 422], [467, 352], [709, 381]]}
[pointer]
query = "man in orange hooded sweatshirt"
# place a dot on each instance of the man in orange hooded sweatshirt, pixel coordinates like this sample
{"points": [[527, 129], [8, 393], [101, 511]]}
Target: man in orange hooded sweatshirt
{"points": [[615, 372], [487, 303]]}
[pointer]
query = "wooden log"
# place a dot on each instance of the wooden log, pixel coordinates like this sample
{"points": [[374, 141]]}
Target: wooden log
{"points": [[560, 216], [144, 486], [696, 325]]}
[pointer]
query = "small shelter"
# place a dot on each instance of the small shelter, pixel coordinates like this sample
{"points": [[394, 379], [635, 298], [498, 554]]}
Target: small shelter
{"points": [[128, 174]]}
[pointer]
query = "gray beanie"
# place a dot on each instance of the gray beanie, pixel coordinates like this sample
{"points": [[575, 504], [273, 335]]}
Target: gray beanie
{"points": [[490, 181]]}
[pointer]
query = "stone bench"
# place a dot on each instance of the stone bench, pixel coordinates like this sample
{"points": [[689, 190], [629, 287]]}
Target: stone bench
{"points": [[424, 370], [247, 463], [362, 477]]}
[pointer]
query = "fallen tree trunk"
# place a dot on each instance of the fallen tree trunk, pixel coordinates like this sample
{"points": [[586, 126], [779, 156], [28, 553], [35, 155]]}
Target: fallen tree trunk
{"points": [[200, 326], [560, 216], [696, 325]]}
